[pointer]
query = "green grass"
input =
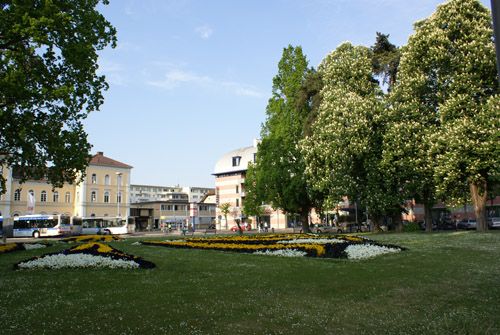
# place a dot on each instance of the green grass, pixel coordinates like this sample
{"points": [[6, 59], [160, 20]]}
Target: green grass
{"points": [[446, 283]]}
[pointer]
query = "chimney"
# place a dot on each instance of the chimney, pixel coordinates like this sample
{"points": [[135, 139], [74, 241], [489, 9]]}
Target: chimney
{"points": [[100, 153]]}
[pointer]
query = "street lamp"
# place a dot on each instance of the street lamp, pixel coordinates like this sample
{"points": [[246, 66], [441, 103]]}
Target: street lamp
{"points": [[118, 197]]}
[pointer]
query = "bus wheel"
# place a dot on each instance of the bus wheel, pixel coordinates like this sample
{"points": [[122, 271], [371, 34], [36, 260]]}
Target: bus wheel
{"points": [[36, 234]]}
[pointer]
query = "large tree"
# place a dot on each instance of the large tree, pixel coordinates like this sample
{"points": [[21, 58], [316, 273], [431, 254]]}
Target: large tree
{"points": [[48, 85], [450, 79], [343, 150], [279, 168]]}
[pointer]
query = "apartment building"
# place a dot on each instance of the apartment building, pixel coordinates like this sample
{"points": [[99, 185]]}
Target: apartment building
{"points": [[230, 172]]}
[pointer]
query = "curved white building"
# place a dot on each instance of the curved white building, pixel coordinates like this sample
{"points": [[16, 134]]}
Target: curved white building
{"points": [[230, 172]]}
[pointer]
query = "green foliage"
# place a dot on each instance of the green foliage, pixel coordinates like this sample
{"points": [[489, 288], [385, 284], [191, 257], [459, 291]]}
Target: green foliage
{"points": [[446, 117], [343, 152], [48, 85], [278, 175], [411, 227], [385, 59]]}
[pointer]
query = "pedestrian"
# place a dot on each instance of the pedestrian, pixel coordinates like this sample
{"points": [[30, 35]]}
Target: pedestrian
{"points": [[184, 229], [266, 227]]}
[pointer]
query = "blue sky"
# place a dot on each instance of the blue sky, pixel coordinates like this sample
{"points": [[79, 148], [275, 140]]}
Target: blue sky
{"points": [[190, 79]]}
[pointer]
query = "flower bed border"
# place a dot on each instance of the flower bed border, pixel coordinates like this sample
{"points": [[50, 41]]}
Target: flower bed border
{"points": [[95, 249], [19, 246], [91, 239], [268, 244]]}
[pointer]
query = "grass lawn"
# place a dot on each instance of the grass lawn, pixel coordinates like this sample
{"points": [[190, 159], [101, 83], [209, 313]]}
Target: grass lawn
{"points": [[446, 283]]}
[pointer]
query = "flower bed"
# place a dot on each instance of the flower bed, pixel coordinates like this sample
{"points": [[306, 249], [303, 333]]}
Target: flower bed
{"points": [[11, 247], [90, 255], [91, 238], [287, 245]]}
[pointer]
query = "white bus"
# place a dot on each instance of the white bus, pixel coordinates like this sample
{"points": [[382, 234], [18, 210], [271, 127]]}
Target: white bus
{"points": [[41, 225], [95, 225]]}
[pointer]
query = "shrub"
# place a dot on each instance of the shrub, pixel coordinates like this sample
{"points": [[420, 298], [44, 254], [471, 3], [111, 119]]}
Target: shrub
{"points": [[412, 226]]}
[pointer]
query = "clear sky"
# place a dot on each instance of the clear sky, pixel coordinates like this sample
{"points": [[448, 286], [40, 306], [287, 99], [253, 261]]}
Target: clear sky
{"points": [[190, 79]]}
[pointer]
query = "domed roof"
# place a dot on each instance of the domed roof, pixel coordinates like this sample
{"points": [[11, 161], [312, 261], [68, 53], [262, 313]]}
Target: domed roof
{"points": [[236, 160]]}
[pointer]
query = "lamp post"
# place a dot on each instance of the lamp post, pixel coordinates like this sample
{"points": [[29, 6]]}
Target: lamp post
{"points": [[118, 197]]}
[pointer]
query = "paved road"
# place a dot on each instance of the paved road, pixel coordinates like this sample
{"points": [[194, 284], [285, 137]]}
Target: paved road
{"points": [[155, 233]]}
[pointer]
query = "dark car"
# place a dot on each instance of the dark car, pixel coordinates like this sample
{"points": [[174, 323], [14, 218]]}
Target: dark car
{"points": [[467, 224]]}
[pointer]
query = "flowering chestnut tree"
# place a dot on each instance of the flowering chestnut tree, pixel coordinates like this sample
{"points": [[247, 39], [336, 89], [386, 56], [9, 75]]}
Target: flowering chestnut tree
{"points": [[448, 127], [343, 149]]}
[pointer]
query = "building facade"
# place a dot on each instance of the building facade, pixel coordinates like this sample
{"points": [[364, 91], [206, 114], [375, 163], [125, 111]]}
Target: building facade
{"points": [[104, 191], [230, 172]]}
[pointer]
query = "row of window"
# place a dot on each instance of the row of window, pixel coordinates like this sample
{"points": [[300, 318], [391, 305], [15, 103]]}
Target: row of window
{"points": [[43, 196], [174, 207], [93, 196], [67, 196], [183, 207], [107, 179]]}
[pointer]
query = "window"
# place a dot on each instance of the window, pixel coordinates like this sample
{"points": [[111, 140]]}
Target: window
{"points": [[237, 202], [93, 196], [119, 197], [106, 197], [237, 189], [55, 196], [67, 197], [17, 195], [43, 196], [106, 179], [93, 178], [236, 160]]}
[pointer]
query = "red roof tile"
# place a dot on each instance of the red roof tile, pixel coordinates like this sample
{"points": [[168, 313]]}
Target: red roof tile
{"points": [[100, 159]]}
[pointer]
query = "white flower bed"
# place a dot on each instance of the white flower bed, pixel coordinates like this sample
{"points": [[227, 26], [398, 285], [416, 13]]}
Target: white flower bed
{"points": [[282, 253], [364, 251], [30, 246], [312, 240], [62, 261]]}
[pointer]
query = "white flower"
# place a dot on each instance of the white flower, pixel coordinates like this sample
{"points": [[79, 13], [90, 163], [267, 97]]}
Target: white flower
{"points": [[282, 253], [30, 246], [312, 240], [62, 261], [364, 251]]}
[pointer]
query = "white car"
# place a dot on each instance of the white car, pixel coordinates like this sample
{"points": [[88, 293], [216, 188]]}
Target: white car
{"points": [[494, 223]]}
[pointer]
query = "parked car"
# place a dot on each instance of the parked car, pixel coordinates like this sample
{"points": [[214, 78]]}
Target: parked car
{"points": [[446, 224], [243, 227], [494, 223], [322, 228], [350, 227], [467, 224]]}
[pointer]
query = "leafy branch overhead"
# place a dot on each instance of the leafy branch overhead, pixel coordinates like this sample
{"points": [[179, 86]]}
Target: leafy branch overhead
{"points": [[49, 84]]}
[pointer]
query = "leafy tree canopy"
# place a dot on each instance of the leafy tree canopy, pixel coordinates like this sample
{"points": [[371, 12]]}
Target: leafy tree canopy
{"points": [[279, 170], [49, 84], [447, 74]]}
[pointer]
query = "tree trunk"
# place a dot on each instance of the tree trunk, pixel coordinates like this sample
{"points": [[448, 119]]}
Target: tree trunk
{"points": [[397, 220], [304, 217], [479, 195], [376, 223], [428, 217]]}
